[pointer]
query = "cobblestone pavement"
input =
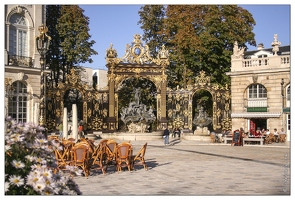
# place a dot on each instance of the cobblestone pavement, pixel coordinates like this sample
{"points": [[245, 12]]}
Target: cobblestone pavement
{"points": [[193, 168]]}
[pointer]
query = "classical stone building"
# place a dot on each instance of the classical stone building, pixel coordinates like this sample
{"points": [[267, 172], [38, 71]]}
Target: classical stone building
{"points": [[21, 61], [260, 88]]}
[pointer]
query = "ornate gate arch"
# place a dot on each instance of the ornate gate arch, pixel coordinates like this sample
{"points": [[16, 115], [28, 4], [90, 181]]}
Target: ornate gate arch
{"points": [[95, 103], [174, 107], [137, 63], [180, 104]]}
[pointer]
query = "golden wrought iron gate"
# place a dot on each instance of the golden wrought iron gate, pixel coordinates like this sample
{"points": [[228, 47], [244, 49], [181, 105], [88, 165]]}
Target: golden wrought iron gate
{"points": [[174, 107], [180, 104], [137, 63], [94, 103]]}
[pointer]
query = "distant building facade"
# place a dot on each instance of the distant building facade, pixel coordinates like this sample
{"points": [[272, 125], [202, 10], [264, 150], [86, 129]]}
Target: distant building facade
{"points": [[100, 78], [260, 88]]}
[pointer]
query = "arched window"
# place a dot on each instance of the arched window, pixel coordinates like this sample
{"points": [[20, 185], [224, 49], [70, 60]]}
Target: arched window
{"points": [[257, 91], [17, 105], [289, 93], [257, 97], [18, 35], [288, 96]]}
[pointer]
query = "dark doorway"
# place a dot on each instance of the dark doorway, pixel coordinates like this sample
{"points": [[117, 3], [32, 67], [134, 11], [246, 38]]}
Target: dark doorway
{"points": [[203, 98], [257, 123]]}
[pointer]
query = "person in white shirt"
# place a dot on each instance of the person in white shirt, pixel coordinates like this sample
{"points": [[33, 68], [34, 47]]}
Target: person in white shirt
{"points": [[282, 131]]}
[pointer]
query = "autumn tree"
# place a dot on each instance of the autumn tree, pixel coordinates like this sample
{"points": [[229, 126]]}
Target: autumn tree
{"points": [[71, 44], [199, 37], [151, 20]]}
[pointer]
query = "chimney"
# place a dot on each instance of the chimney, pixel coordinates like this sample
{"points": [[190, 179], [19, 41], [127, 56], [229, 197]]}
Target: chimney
{"points": [[260, 46]]}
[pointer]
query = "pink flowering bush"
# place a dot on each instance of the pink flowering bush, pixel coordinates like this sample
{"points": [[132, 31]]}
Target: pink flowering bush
{"points": [[30, 163]]}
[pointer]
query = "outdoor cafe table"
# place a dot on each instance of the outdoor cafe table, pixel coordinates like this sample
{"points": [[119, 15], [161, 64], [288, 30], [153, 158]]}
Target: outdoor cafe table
{"points": [[254, 139]]}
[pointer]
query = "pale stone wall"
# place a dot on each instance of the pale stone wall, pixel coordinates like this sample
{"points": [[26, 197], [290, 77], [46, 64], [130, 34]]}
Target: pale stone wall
{"points": [[35, 17], [270, 76]]}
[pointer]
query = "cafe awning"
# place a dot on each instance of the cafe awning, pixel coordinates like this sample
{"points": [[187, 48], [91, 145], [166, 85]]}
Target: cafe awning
{"points": [[256, 115]]}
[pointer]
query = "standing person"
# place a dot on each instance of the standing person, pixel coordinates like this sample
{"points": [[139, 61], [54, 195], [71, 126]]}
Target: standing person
{"points": [[70, 131], [176, 131], [166, 136], [276, 134], [80, 131], [60, 129]]}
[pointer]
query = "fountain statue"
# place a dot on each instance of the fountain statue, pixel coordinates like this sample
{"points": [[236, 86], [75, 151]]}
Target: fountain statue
{"points": [[136, 116], [202, 121]]}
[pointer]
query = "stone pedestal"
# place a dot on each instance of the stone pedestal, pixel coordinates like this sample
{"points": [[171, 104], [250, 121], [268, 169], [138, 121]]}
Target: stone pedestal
{"points": [[202, 131]]}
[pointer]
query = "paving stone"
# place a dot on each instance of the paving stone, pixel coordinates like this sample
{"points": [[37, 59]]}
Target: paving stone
{"points": [[193, 168]]}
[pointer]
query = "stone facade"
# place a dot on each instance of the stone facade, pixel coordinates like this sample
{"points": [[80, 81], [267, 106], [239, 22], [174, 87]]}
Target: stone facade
{"points": [[22, 61], [269, 68], [23, 66]]}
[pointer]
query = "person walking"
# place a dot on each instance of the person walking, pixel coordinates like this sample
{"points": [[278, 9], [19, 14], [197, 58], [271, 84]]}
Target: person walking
{"points": [[166, 136], [176, 131]]}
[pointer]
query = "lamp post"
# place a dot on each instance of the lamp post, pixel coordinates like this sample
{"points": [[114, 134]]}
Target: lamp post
{"points": [[9, 90], [282, 93], [42, 44]]}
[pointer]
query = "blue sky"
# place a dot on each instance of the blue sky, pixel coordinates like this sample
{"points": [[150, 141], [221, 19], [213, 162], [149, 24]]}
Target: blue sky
{"points": [[117, 24]]}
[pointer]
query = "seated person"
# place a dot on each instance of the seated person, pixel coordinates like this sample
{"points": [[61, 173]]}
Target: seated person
{"points": [[229, 133], [282, 131], [223, 132], [267, 132], [257, 133]]}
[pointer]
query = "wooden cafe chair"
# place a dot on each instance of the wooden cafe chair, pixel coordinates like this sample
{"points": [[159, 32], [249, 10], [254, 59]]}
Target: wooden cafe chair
{"points": [[111, 152], [61, 157], [124, 153], [269, 138], [81, 158], [212, 137], [98, 157], [138, 159], [282, 137]]}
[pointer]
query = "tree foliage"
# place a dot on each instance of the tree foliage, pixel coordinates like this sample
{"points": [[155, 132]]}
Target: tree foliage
{"points": [[199, 37], [71, 44], [152, 19]]}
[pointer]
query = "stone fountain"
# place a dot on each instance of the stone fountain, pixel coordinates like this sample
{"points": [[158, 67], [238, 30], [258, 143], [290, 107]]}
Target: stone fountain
{"points": [[136, 116], [202, 121]]}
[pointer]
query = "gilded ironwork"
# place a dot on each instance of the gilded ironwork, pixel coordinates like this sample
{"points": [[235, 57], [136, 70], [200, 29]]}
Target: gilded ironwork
{"points": [[174, 106], [180, 107], [138, 63], [94, 102]]}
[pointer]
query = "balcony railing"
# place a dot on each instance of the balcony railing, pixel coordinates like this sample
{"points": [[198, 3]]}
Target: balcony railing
{"points": [[255, 62], [267, 62], [20, 61], [261, 102], [285, 60]]}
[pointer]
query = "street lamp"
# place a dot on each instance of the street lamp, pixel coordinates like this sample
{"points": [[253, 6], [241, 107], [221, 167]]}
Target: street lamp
{"points": [[42, 44], [9, 91]]}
